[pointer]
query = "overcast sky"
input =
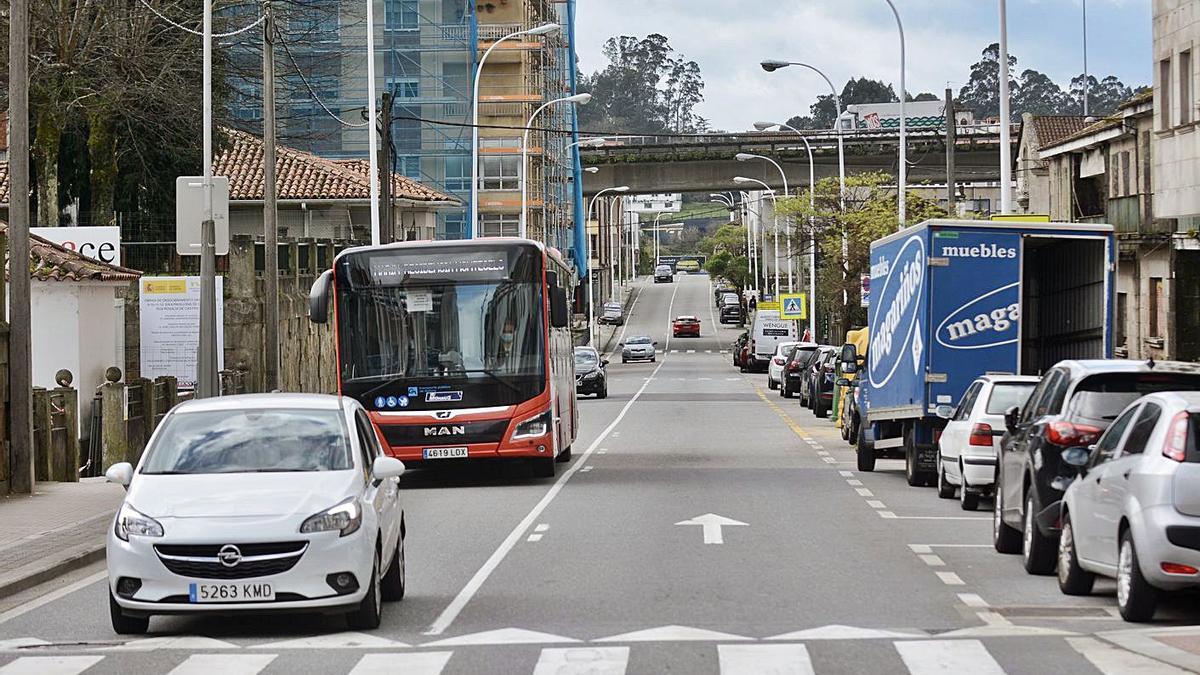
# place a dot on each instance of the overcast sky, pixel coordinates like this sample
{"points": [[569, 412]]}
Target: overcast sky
{"points": [[849, 38]]}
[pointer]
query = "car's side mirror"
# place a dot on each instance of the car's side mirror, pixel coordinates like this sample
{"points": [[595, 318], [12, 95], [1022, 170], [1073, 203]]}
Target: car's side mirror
{"points": [[620, 344], [655, 343], [318, 298], [387, 467], [849, 353], [1010, 418], [944, 411], [849, 367], [120, 473], [603, 362]]}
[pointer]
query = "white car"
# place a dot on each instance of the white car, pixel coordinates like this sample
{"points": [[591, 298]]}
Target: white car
{"points": [[1133, 513], [265, 502], [778, 359], [970, 443]]}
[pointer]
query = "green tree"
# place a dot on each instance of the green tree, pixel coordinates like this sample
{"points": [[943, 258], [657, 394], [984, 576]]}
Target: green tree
{"points": [[725, 252], [1036, 93], [981, 93], [857, 90], [870, 214], [1103, 95], [646, 88]]}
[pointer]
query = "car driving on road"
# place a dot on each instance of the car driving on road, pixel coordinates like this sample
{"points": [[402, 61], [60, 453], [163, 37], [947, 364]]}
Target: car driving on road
{"points": [[266, 502], [663, 274], [1071, 407], [638, 348], [591, 377], [685, 326], [1134, 511], [970, 443]]}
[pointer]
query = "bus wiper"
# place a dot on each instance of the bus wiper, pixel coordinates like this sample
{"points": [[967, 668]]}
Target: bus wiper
{"points": [[492, 374], [388, 381]]}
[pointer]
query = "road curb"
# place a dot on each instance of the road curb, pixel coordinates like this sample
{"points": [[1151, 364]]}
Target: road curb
{"points": [[634, 292], [70, 559]]}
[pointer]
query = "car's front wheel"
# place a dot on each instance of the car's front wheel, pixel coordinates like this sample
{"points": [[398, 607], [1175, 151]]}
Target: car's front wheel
{"points": [[603, 393], [369, 614], [393, 579], [1005, 538], [122, 623], [1072, 579], [1037, 550]]}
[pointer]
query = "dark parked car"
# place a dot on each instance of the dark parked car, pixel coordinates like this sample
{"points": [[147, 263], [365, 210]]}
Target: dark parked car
{"points": [[591, 377], [739, 348], [1070, 408], [795, 367], [731, 313], [821, 376], [809, 375]]}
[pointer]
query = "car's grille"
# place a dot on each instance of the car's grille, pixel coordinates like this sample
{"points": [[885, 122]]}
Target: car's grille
{"points": [[201, 561], [489, 431]]}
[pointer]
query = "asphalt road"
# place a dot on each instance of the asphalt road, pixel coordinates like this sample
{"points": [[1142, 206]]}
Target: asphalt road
{"points": [[606, 568]]}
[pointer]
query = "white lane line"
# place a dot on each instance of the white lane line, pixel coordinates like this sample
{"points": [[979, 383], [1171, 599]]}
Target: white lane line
{"points": [[226, 664], [670, 309], [940, 517], [930, 657], [1112, 661], [951, 579], [920, 548], [581, 661], [758, 659], [703, 379], [876, 504], [886, 514], [602, 451], [418, 663], [846, 474], [448, 615], [52, 596], [587, 469], [534, 537], [542, 527], [864, 492], [973, 600], [829, 460], [691, 351], [49, 665], [932, 560], [854, 482], [823, 453], [732, 379], [625, 324]]}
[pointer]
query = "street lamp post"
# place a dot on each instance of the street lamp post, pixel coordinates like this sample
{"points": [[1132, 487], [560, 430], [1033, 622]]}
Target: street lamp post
{"points": [[745, 157], [1005, 115], [771, 65], [592, 283], [775, 227], [581, 99], [473, 220]]}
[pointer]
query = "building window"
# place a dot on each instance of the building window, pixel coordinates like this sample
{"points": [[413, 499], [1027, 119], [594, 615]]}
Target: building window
{"points": [[500, 143], [404, 87], [401, 14], [1185, 87], [315, 24], [499, 225], [1156, 307], [409, 166], [1122, 317], [458, 174], [500, 172], [452, 226], [1164, 90]]}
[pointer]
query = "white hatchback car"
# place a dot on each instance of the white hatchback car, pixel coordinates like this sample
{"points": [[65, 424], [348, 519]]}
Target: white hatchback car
{"points": [[778, 359], [264, 502], [970, 443], [1133, 513]]}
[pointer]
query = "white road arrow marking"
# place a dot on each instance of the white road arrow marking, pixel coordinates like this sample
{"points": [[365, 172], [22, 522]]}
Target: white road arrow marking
{"points": [[712, 524]]}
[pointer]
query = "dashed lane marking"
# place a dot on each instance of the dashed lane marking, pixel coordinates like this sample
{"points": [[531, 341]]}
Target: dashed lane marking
{"points": [[534, 537], [541, 527], [580, 661], [876, 504], [854, 482], [932, 560], [419, 663], [847, 474], [864, 492], [925, 657], [227, 664], [951, 579], [973, 600]]}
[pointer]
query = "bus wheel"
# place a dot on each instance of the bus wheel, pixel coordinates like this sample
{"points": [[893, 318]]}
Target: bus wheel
{"points": [[544, 467], [565, 455]]}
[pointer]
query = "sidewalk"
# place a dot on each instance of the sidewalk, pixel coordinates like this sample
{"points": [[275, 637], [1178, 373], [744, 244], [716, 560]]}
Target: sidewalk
{"points": [[1178, 646], [59, 528]]}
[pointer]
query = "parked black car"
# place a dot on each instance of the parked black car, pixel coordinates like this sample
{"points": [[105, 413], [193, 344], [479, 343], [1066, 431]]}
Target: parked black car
{"points": [[591, 377], [795, 367], [810, 374], [1071, 407], [731, 313], [821, 376]]}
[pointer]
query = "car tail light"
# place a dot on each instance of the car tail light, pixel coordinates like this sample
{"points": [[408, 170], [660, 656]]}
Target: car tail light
{"points": [[778, 360], [981, 434], [1176, 568], [1175, 447], [792, 367], [1066, 434]]}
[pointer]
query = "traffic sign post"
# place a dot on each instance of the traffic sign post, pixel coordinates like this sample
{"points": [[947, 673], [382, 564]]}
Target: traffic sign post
{"points": [[793, 306]]}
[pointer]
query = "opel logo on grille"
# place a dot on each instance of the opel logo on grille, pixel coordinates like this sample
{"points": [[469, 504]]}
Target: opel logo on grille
{"points": [[229, 555]]}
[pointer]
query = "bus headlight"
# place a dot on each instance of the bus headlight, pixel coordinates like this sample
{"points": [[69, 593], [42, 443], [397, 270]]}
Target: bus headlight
{"points": [[533, 427]]}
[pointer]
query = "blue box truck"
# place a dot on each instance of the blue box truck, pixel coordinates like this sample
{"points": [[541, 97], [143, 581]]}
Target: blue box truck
{"points": [[952, 300]]}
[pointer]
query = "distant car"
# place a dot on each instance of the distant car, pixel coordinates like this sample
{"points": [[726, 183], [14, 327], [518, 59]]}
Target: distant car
{"points": [[1134, 511], [663, 274], [739, 348], [728, 298], [685, 325], [266, 502], [775, 366], [731, 314], [1071, 407], [688, 266], [612, 313], [793, 368], [590, 374], [638, 348], [970, 443]]}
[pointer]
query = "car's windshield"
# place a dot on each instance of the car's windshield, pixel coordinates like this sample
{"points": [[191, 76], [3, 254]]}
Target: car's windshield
{"points": [[639, 340], [586, 357], [1100, 398], [250, 441], [1008, 394]]}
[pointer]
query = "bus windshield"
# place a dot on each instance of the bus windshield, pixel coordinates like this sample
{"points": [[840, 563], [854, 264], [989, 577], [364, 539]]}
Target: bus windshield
{"points": [[444, 328]]}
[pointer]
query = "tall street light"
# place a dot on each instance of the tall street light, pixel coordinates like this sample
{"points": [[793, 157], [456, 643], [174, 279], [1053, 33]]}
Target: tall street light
{"points": [[581, 99], [745, 157], [775, 228], [592, 282], [473, 220], [1005, 115], [812, 228], [772, 65]]}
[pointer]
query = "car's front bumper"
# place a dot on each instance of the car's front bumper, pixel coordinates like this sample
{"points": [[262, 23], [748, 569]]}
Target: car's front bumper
{"points": [[589, 386], [303, 587], [637, 356]]}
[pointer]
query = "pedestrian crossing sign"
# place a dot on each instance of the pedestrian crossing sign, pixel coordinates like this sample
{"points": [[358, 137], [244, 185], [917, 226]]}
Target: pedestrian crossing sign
{"points": [[793, 306]]}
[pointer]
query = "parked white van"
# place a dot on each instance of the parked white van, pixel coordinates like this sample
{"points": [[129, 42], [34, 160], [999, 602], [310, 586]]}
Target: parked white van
{"points": [[769, 330]]}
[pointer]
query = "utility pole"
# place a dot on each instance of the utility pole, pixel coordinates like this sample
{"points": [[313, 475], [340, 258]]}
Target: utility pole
{"points": [[206, 359], [1005, 117], [387, 229], [20, 359], [951, 141], [270, 218], [1085, 65]]}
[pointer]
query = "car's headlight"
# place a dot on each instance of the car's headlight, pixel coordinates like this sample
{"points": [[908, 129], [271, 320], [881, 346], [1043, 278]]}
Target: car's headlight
{"points": [[533, 427], [344, 517], [131, 521], [592, 375]]}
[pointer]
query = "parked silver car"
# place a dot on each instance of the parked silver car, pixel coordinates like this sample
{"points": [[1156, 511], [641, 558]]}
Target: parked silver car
{"points": [[1134, 511]]}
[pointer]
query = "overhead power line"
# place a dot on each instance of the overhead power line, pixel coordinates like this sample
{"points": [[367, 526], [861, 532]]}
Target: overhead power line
{"points": [[196, 32]]}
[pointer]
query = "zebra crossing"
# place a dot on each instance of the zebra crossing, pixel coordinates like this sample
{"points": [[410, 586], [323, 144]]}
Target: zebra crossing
{"points": [[914, 656]]}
